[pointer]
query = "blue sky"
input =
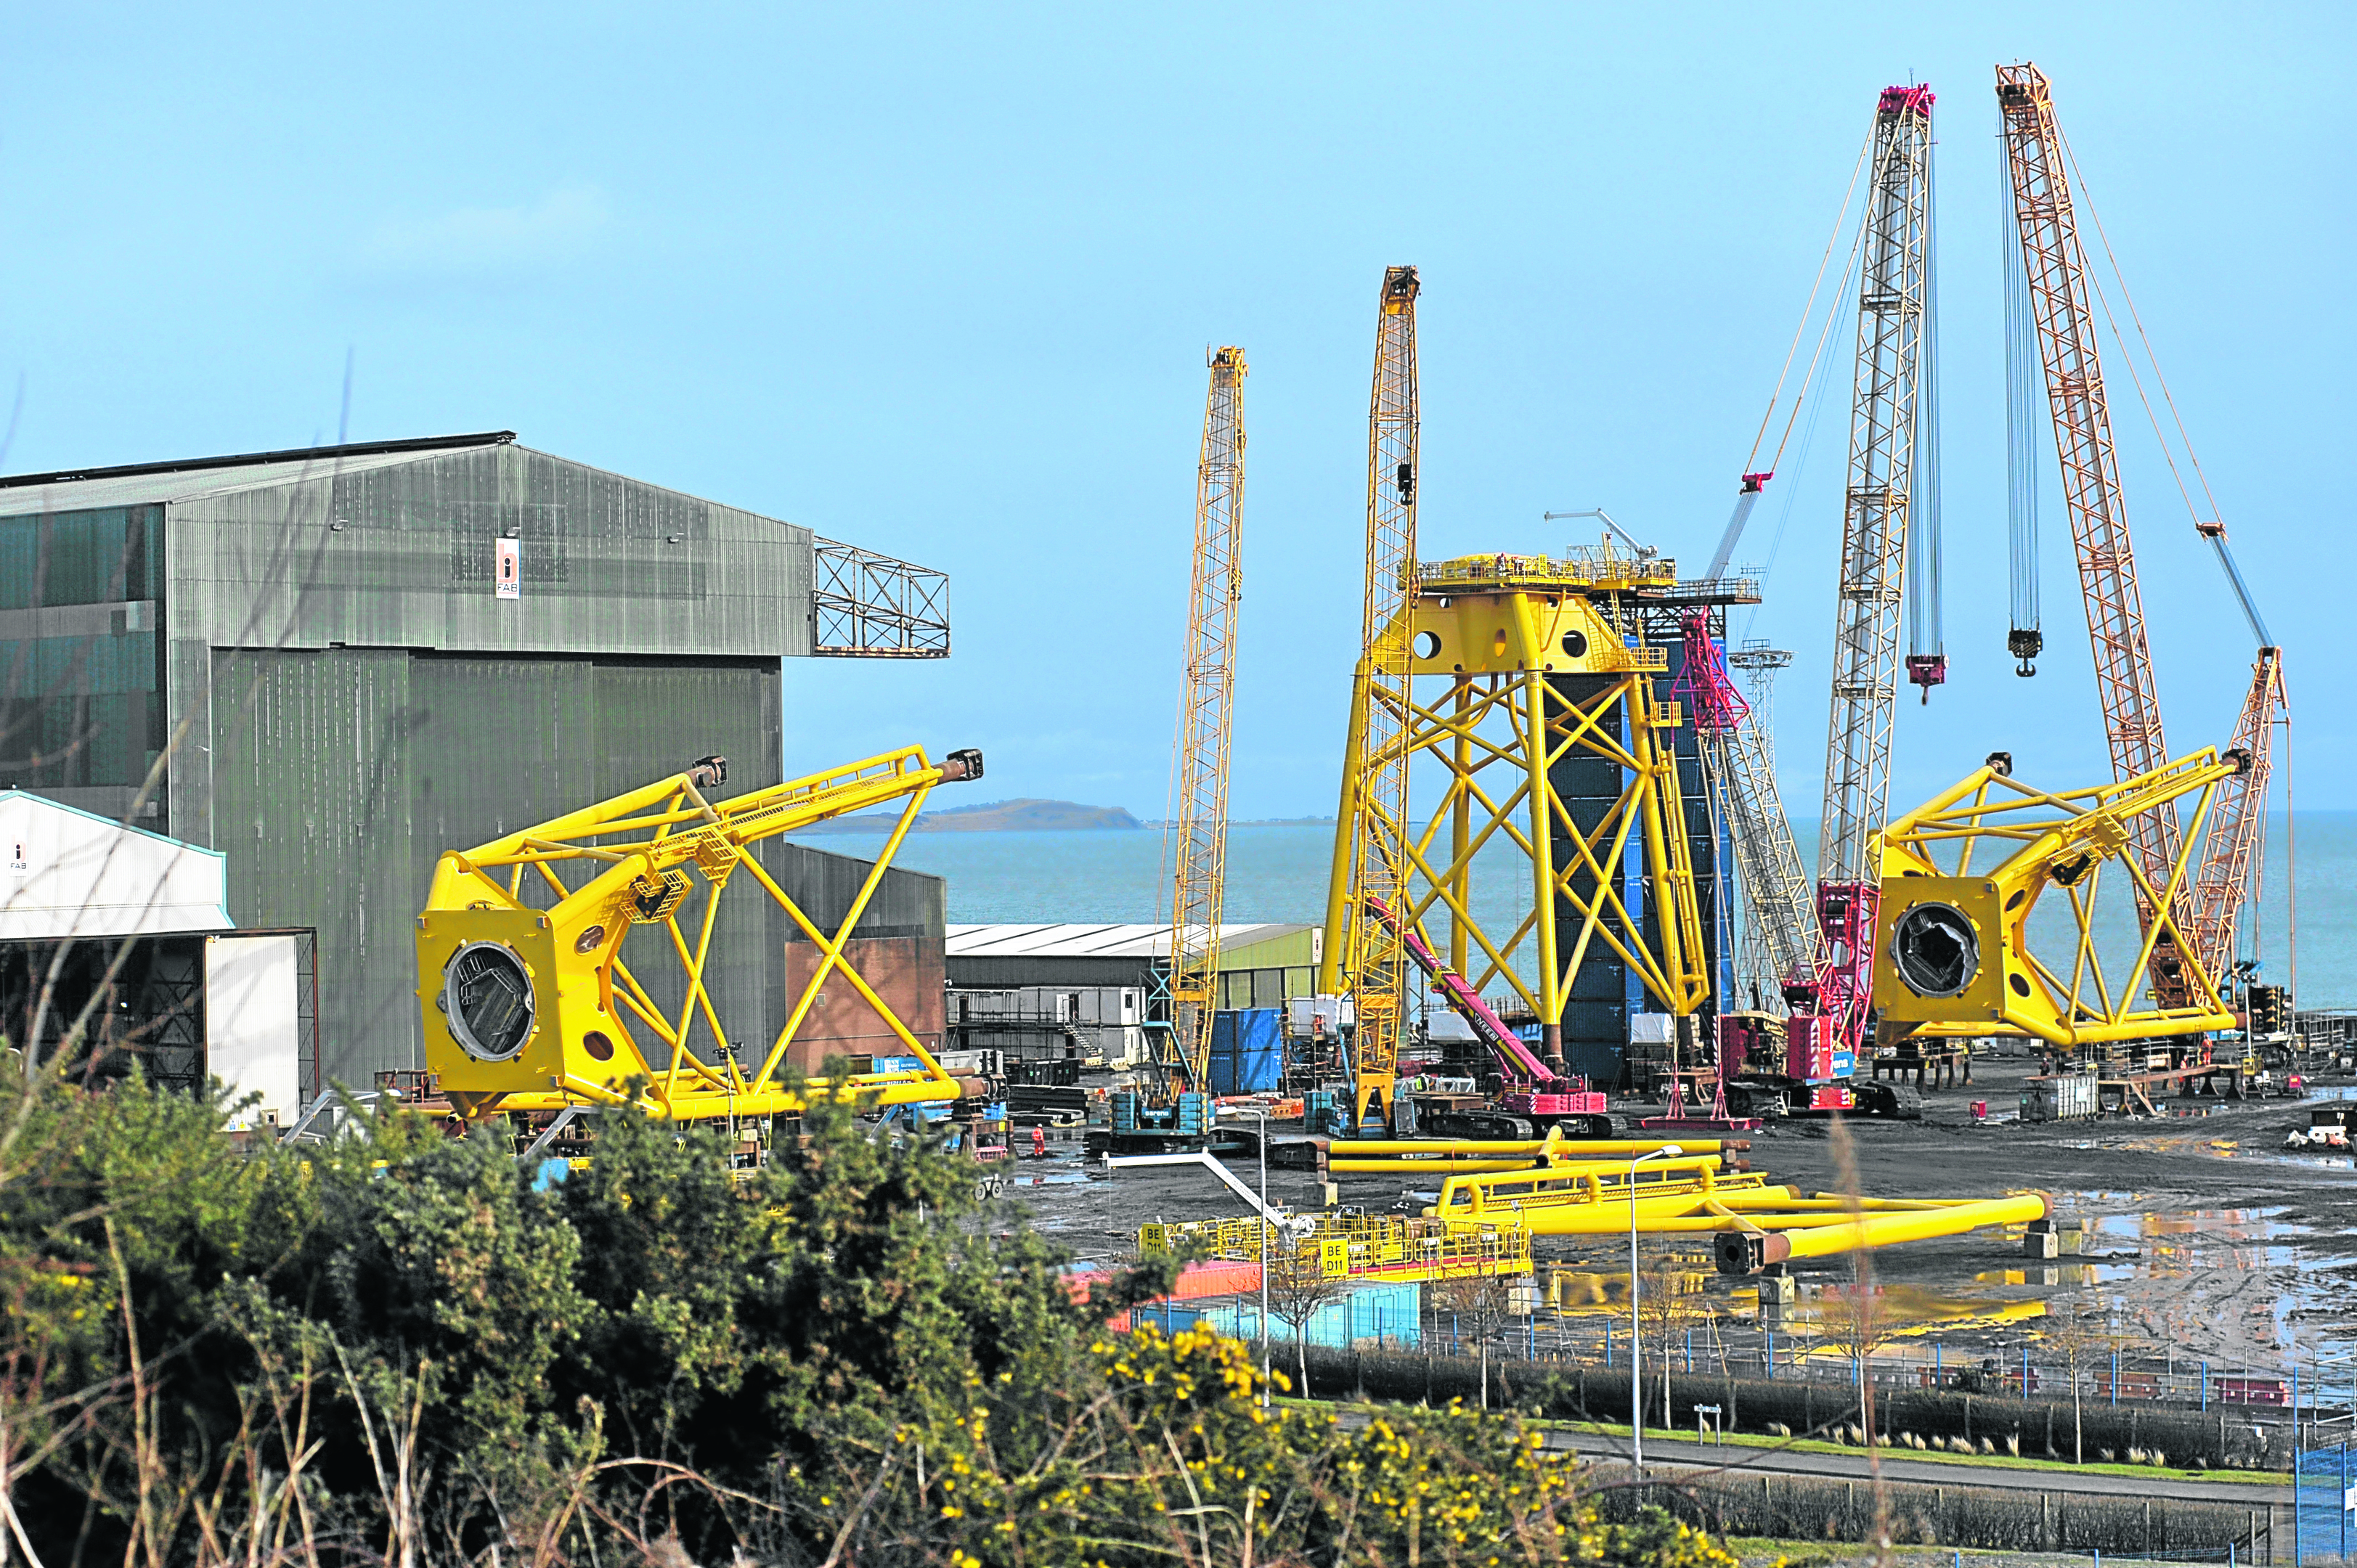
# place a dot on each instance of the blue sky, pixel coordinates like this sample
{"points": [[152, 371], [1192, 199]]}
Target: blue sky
{"points": [[938, 281]]}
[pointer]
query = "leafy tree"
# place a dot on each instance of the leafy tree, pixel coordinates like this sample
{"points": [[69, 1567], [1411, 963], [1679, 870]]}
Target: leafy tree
{"points": [[1478, 1302], [1299, 1288]]}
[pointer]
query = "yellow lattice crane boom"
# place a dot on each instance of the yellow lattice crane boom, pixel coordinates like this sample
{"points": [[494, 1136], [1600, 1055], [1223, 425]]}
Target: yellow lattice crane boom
{"points": [[528, 1003], [1363, 956], [1206, 714]]}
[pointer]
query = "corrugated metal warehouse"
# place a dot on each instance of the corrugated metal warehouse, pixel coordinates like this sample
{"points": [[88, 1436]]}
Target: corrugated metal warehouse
{"points": [[1260, 965], [351, 659]]}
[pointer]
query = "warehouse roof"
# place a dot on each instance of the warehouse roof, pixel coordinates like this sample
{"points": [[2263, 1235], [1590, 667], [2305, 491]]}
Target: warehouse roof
{"points": [[1092, 941], [141, 484], [70, 873], [186, 478]]}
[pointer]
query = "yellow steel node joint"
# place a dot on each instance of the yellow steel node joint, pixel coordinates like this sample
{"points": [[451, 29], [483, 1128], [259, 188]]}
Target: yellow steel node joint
{"points": [[529, 1004], [1953, 948]]}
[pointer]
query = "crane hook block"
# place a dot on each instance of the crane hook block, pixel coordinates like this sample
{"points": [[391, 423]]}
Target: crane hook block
{"points": [[960, 766], [708, 772]]}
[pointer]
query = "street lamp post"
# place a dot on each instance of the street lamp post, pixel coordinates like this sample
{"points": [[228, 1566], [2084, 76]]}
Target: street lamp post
{"points": [[1636, 1328], [1262, 1217]]}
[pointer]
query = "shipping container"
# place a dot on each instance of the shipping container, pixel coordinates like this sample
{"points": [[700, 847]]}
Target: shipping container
{"points": [[1391, 1312], [1247, 1051]]}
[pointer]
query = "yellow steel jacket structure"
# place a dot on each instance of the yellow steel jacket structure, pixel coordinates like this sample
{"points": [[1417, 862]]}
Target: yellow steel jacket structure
{"points": [[527, 999]]}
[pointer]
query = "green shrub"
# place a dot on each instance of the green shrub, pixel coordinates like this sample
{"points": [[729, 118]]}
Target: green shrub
{"points": [[392, 1349]]}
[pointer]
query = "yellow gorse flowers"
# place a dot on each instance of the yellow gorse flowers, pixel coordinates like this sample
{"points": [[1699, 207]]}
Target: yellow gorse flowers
{"points": [[1172, 1454]]}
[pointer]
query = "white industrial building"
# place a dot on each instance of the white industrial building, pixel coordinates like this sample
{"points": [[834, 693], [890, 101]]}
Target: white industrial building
{"points": [[121, 940]]}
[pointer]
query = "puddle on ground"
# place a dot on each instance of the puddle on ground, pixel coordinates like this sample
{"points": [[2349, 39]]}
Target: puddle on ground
{"points": [[2209, 1283], [2321, 1160]]}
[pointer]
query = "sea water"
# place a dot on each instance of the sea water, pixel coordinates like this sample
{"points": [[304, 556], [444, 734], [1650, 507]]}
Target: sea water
{"points": [[1277, 874]]}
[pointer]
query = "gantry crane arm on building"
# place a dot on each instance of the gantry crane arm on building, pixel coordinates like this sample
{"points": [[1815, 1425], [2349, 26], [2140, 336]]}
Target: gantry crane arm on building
{"points": [[2062, 309], [1364, 955], [1206, 715]]}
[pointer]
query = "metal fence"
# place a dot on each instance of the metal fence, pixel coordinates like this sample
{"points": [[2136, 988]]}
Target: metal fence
{"points": [[2106, 1376], [2324, 1505]]}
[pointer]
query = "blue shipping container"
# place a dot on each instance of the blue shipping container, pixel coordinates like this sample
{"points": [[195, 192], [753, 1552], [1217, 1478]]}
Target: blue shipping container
{"points": [[1247, 1050], [1391, 1313]]}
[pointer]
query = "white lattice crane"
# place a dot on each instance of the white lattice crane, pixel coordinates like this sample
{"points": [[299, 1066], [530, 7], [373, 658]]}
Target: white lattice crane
{"points": [[1892, 306]]}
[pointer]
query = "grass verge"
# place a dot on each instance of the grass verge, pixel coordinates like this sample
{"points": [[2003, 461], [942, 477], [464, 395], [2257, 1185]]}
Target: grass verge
{"points": [[1985, 1461], [1811, 1446]]}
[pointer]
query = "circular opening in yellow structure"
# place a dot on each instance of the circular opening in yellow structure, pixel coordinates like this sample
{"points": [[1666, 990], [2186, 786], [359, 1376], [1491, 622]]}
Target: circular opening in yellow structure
{"points": [[486, 996], [1936, 950]]}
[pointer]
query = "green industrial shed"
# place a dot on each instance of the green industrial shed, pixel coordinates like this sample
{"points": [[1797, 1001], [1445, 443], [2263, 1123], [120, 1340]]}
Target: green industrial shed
{"points": [[347, 660]]}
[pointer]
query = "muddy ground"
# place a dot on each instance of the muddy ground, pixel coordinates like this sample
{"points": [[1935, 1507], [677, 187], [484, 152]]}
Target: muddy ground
{"points": [[2212, 1242]]}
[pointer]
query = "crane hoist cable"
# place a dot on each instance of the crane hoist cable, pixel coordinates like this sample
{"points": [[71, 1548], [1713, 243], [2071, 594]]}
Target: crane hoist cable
{"points": [[2193, 461], [2024, 392], [1927, 652], [1755, 478], [2232, 859], [1841, 221]]}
